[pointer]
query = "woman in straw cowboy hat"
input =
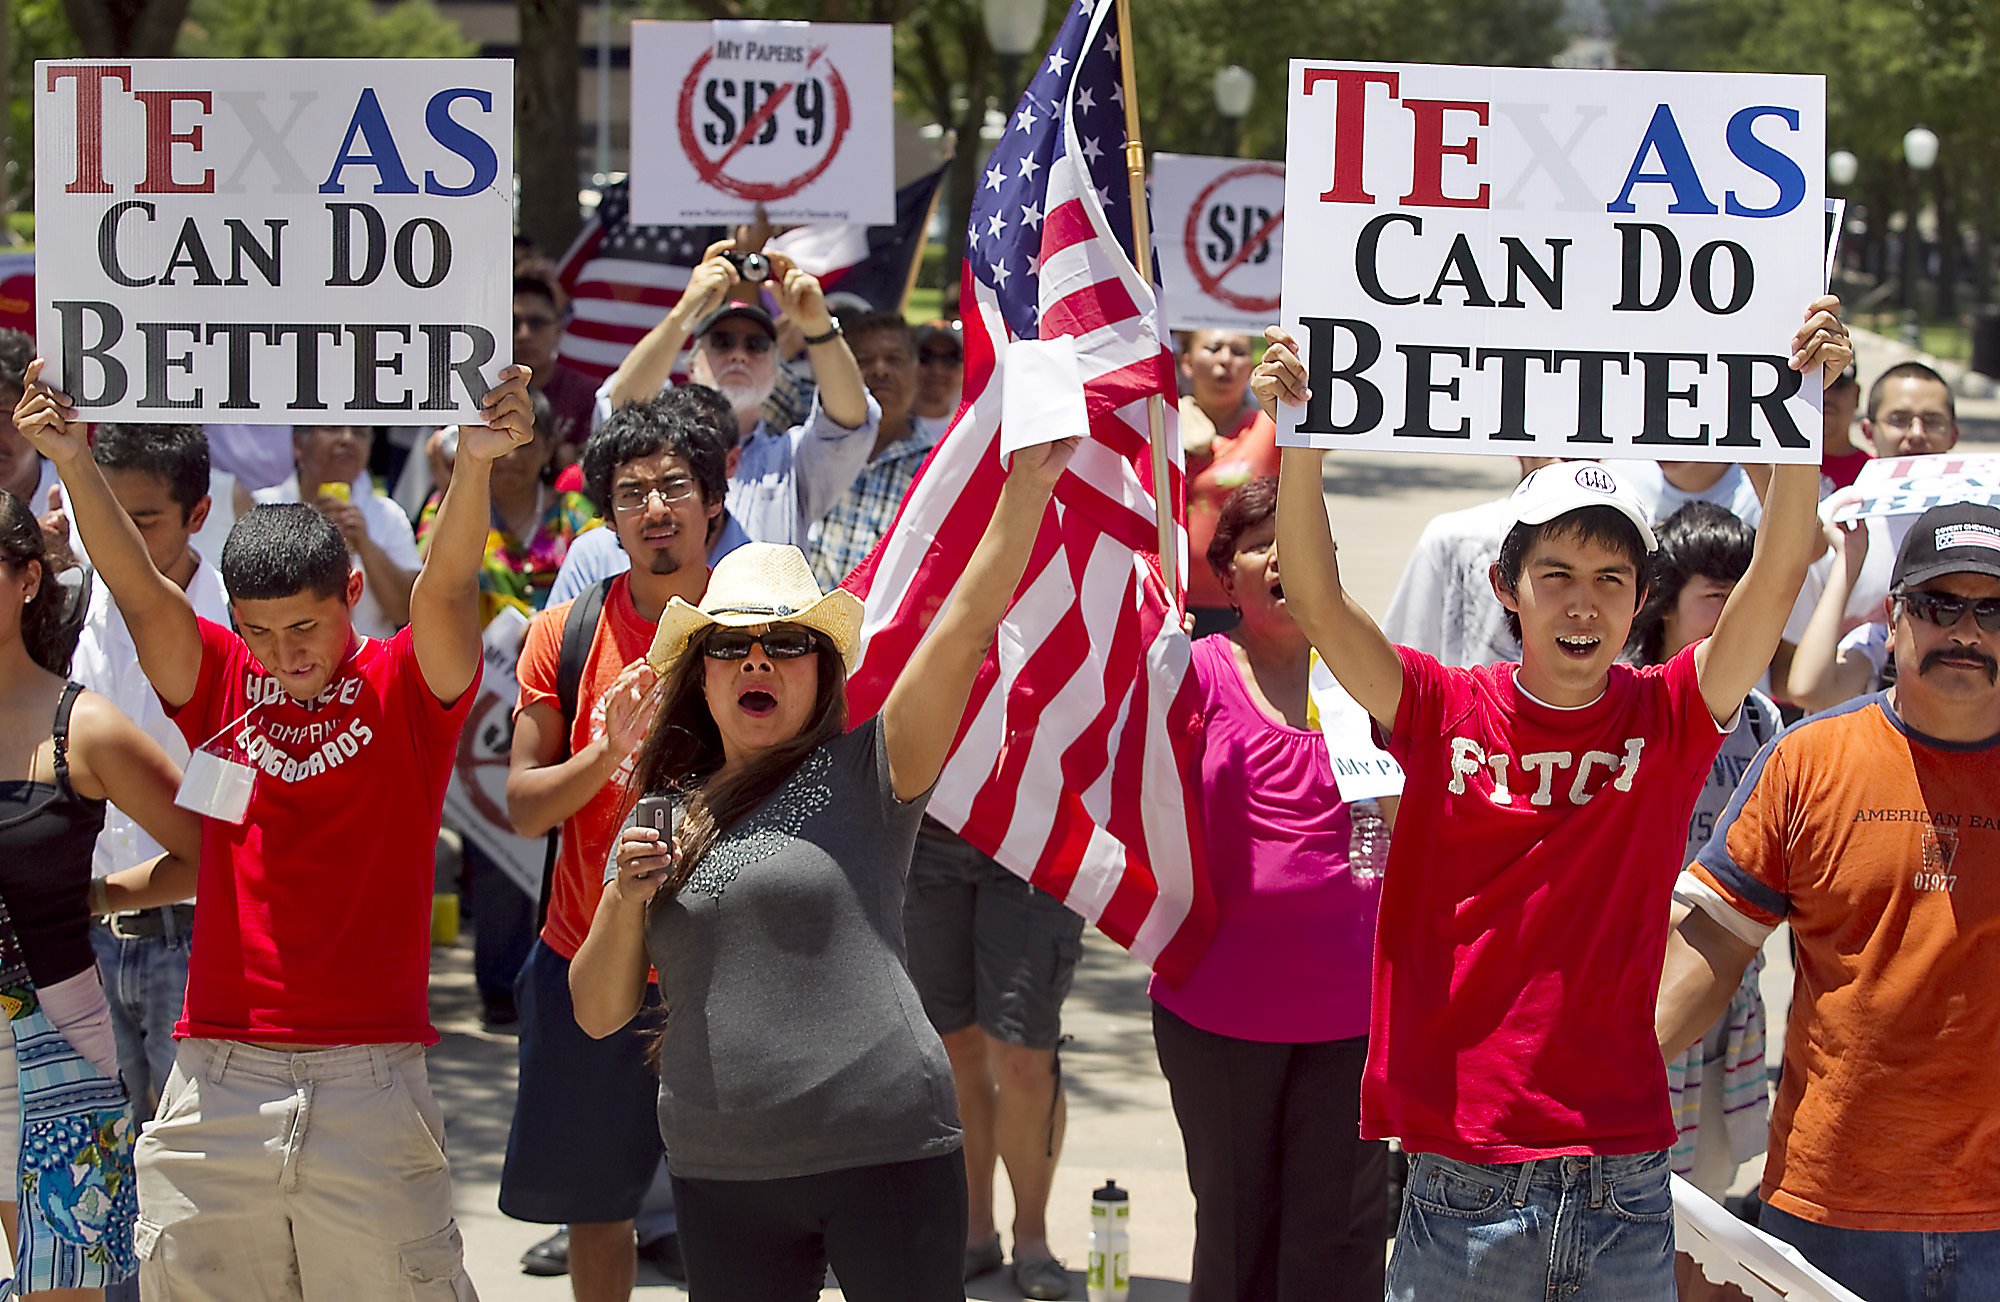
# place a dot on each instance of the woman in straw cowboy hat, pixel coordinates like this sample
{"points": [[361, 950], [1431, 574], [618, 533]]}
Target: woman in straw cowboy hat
{"points": [[806, 1103]]}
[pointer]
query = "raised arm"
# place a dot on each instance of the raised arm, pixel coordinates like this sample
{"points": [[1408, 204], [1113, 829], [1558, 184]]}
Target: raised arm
{"points": [[163, 624], [1346, 638], [1821, 675], [444, 604], [842, 395], [647, 368], [1731, 661], [924, 708]]}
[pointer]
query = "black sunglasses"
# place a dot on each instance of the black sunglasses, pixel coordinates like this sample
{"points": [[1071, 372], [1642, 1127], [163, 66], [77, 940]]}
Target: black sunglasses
{"points": [[785, 642], [1945, 610]]}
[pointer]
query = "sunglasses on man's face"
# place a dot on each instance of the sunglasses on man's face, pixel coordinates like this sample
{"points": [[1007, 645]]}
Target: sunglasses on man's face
{"points": [[754, 342], [938, 358], [782, 643], [1944, 609]]}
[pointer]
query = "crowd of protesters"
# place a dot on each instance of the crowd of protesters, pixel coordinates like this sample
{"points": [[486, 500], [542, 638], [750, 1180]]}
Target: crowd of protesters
{"points": [[774, 1019]]}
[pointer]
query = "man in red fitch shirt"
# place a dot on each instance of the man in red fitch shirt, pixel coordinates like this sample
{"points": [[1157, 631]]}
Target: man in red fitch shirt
{"points": [[1521, 927], [297, 1144]]}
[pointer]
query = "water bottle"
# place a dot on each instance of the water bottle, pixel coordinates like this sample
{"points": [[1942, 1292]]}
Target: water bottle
{"points": [[1367, 843], [1110, 1276]]}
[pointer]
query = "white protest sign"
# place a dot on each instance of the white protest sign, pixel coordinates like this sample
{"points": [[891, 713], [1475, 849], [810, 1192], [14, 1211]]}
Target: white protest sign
{"points": [[1221, 241], [281, 241], [1738, 1260], [1361, 769], [1910, 486], [475, 802], [795, 117], [1569, 263]]}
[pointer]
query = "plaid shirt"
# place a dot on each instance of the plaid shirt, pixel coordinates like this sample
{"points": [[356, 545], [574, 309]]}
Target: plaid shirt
{"points": [[845, 535]]}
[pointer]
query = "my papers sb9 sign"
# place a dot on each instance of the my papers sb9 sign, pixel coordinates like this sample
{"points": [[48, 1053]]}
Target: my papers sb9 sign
{"points": [[291, 241], [1567, 263]]}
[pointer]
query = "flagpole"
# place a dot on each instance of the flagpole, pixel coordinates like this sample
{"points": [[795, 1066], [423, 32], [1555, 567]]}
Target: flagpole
{"points": [[1142, 255], [923, 243]]}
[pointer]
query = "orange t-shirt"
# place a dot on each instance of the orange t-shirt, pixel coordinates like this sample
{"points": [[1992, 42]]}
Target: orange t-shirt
{"points": [[1239, 456], [622, 637], [1878, 845]]}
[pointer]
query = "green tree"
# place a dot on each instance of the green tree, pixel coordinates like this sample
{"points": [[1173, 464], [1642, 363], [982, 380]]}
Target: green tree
{"points": [[318, 29]]}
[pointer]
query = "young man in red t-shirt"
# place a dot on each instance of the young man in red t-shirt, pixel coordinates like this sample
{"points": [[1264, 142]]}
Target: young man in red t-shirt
{"points": [[1522, 916], [297, 1144], [585, 1142]]}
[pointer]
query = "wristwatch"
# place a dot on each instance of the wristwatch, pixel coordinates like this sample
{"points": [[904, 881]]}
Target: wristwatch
{"points": [[832, 333]]}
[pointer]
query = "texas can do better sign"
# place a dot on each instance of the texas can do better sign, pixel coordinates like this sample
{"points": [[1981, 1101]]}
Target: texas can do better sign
{"points": [[1553, 262], [283, 241]]}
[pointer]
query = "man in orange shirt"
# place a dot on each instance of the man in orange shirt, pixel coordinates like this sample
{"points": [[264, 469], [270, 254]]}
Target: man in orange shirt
{"points": [[1873, 829]]}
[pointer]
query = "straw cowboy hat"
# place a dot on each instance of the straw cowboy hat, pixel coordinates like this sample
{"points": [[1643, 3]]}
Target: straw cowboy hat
{"points": [[760, 583]]}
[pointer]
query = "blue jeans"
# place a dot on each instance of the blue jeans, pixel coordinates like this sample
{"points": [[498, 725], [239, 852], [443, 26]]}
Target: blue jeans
{"points": [[145, 982], [1895, 1265], [1575, 1228]]}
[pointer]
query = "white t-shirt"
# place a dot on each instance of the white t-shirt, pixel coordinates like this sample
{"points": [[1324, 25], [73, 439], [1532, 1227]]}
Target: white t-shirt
{"points": [[388, 528], [1444, 604], [1733, 492]]}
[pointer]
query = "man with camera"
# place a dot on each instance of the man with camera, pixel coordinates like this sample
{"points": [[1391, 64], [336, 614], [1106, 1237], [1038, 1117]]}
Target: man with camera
{"points": [[784, 480]]}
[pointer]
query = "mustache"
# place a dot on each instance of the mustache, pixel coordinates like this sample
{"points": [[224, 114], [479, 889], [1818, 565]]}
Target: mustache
{"points": [[1961, 654]]}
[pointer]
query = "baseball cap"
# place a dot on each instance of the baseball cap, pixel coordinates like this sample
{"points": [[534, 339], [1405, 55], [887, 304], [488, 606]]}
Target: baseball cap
{"points": [[1567, 486], [748, 311], [1963, 538]]}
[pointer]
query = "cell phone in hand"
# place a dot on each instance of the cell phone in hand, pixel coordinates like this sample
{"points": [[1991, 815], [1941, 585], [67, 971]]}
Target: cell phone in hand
{"points": [[662, 814]]}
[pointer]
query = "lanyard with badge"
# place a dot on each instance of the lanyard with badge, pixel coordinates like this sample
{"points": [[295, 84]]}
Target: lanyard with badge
{"points": [[219, 779]]}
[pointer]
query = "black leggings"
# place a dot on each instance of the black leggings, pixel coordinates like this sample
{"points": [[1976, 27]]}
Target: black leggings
{"points": [[892, 1233]]}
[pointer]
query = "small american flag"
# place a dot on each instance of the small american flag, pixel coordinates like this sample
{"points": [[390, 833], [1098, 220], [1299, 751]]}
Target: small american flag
{"points": [[1073, 761], [622, 279]]}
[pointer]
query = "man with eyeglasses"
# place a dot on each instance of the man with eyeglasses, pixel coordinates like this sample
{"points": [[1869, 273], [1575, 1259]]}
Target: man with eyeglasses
{"points": [[537, 329], [940, 373], [784, 480], [585, 1143], [1873, 830]]}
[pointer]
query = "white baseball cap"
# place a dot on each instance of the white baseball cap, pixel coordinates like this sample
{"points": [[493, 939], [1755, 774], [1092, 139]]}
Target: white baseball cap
{"points": [[1567, 486]]}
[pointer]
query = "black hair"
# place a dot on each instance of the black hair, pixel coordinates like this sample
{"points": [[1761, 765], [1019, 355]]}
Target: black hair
{"points": [[281, 549], [1602, 526], [1909, 371], [1699, 540], [1252, 504], [541, 286], [17, 349], [867, 323], [176, 455], [692, 421], [49, 622]]}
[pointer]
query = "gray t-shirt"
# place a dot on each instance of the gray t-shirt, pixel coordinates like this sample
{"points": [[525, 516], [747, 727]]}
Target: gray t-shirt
{"points": [[795, 1042]]}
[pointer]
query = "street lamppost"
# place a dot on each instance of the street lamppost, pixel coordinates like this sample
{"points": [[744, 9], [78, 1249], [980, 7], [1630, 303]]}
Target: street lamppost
{"points": [[1012, 28], [1841, 168], [1920, 151], [1235, 86]]}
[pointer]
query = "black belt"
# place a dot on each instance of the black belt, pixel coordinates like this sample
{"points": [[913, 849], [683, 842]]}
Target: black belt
{"points": [[147, 924]]}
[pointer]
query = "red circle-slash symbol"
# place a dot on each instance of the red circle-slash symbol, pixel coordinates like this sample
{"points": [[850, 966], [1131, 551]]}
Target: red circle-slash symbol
{"points": [[710, 170], [1212, 284]]}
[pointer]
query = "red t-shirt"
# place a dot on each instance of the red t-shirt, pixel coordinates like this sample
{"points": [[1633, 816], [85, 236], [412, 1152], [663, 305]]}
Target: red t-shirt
{"points": [[315, 912], [1524, 912], [1837, 472], [623, 635]]}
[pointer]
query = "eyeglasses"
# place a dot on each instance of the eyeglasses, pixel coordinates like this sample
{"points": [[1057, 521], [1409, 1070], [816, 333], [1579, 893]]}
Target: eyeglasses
{"points": [[635, 497], [938, 357], [1930, 420], [1945, 610], [755, 342], [783, 642], [534, 322]]}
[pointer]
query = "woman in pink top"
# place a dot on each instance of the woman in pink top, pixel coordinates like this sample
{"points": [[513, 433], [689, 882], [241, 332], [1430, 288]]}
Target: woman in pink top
{"points": [[1264, 1044], [1228, 442]]}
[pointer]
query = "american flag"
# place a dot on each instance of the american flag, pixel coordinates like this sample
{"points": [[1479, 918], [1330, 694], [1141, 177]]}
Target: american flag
{"points": [[1072, 763], [622, 278]]}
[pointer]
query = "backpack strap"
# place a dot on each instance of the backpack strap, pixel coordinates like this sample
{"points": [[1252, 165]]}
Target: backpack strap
{"points": [[60, 733], [579, 632]]}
